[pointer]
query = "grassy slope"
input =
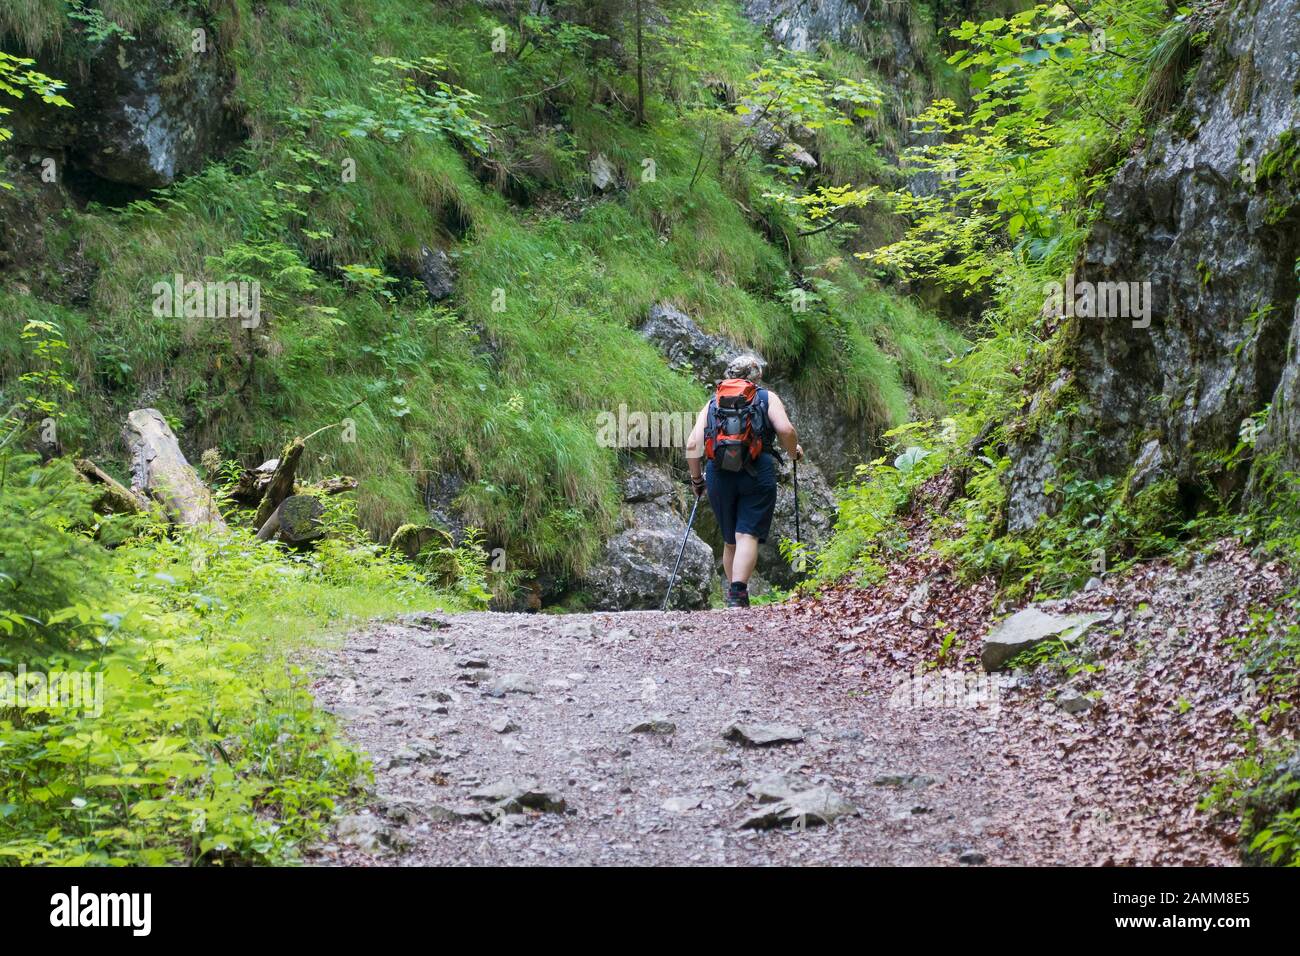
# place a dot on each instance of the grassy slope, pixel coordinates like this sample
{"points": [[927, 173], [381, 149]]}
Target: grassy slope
{"points": [[521, 430]]}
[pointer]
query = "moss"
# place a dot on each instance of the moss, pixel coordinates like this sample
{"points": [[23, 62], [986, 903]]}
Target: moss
{"points": [[1282, 164], [1244, 87], [1153, 513]]}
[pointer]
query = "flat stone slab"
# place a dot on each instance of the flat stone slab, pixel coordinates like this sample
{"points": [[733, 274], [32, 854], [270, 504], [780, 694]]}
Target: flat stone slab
{"points": [[762, 735], [654, 725], [1030, 627], [818, 805]]}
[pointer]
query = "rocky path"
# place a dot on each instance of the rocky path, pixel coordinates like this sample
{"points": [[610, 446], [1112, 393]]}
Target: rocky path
{"points": [[735, 737]]}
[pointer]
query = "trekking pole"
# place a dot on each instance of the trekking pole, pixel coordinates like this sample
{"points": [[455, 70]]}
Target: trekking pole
{"points": [[797, 537], [673, 580]]}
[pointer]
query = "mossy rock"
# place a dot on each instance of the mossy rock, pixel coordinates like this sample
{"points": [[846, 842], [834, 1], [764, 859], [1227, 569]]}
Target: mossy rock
{"points": [[411, 539]]}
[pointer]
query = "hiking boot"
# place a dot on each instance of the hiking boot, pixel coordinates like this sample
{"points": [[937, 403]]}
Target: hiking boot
{"points": [[738, 597]]}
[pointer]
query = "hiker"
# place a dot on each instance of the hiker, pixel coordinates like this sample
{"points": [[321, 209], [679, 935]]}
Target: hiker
{"points": [[737, 431]]}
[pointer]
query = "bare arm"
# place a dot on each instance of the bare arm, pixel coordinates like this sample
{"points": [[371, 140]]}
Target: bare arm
{"points": [[785, 431], [695, 444]]}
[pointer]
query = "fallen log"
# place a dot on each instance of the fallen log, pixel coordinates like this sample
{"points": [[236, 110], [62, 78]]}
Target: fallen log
{"points": [[296, 521], [112, 496], [159, 470], [336, 485]]}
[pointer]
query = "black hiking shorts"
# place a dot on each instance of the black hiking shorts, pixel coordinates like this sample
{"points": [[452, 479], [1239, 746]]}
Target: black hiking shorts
{"points": [[743, 503]]}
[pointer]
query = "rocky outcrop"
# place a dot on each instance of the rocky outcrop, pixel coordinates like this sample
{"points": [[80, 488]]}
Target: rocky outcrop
{"points": [[145, 112], [637, 562], [1209, 215], [1278, 446]]}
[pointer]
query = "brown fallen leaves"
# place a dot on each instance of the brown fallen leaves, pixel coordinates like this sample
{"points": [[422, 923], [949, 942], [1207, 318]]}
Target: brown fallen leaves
{"points": [[1168, 688]]}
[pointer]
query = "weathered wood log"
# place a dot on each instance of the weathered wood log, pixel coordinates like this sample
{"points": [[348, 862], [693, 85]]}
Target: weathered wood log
{"points": [[160, 471], [112, 496], [336, 485], [281, 485], [269, 527], [300, 520]]}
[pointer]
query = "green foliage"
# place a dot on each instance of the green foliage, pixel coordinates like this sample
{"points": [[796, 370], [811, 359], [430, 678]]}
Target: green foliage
{"points": [[1053, 111], [95, 25], [209, 747], [16, 80], [408, 99], [194, 737]]}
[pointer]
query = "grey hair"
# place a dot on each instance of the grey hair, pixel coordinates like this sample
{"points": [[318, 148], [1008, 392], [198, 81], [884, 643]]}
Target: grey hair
{"points": [[747, 366]]}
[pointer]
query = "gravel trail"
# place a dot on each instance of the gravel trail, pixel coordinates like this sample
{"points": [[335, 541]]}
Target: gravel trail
{"points": [[602, 739]]}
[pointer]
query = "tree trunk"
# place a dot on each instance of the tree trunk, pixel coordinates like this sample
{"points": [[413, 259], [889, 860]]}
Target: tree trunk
{"points": [[113, 497], [281, 485], [640, 71], [159, 470]]}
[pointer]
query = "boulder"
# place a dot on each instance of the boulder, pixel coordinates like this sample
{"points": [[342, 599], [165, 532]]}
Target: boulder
{"points": [[411, 539], [147, 111], [604, 175], [1030, 627], [436, 273], [637, 562]]}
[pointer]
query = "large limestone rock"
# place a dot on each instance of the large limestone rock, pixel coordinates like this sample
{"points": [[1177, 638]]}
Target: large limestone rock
{"points": [[146, 111], [1030, 627], [816, 519], [634, 570], [1209, 214], [1280, 439]]}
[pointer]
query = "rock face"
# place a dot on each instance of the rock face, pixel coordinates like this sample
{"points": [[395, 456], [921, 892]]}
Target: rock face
{"points": [[799, 24], [816, 519], [145, 112], [436, 274], [634, 571], [1209, 215]]}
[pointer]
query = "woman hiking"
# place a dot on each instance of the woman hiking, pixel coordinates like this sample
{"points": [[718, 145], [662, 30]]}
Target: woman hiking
{"points": [[737, 434]]}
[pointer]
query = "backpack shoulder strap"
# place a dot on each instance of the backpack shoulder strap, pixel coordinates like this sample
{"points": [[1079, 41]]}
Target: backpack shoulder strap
{"points": [[770, 444]]}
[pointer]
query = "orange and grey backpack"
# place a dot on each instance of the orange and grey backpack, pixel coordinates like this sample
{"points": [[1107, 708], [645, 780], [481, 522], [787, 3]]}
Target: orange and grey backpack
{"points": [[737, 429]]}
